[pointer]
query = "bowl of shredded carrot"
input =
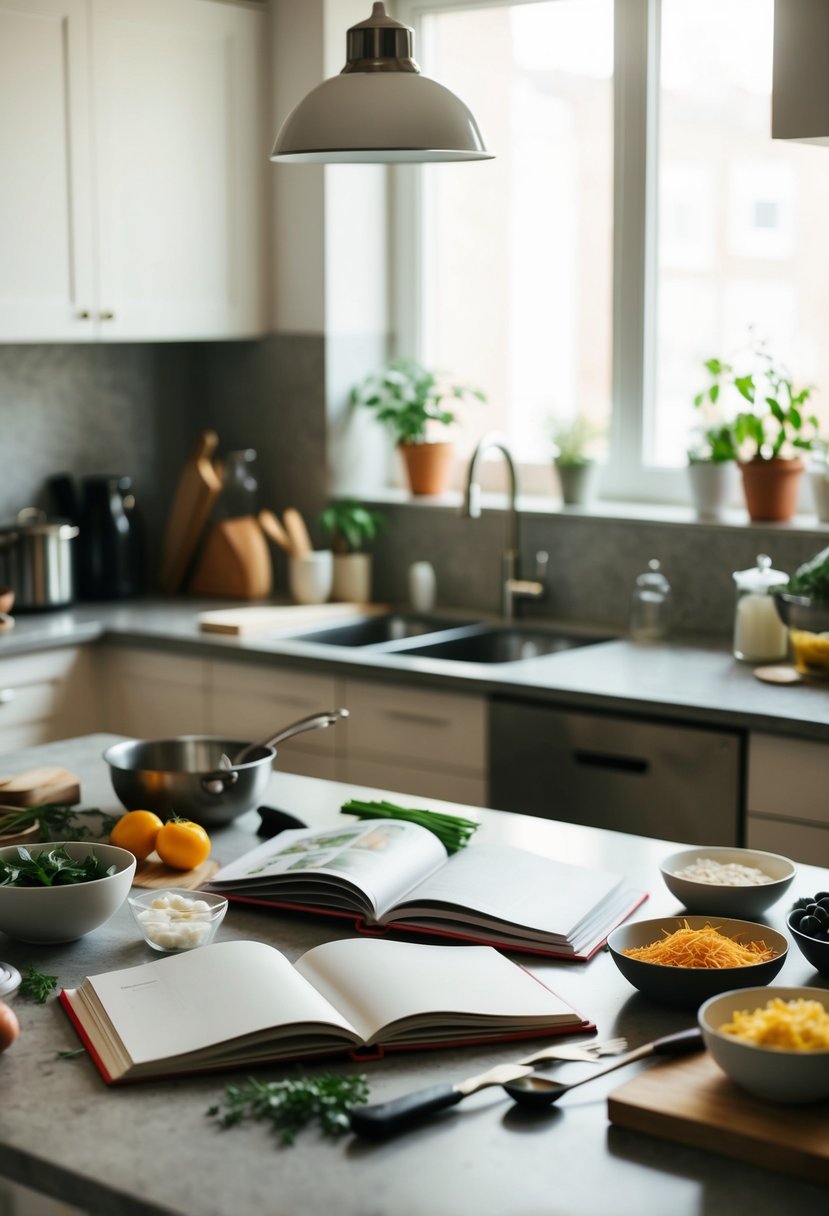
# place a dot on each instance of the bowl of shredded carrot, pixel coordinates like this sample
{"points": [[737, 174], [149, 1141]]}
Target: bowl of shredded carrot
{"points": [[772, 1042], [684, 960]]}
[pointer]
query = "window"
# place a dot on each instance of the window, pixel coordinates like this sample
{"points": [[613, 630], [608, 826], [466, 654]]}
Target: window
{"points": [[638, 219]]}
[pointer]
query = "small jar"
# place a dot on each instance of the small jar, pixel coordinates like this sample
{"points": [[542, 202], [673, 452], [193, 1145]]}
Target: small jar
{"points": [[759, 634], [650, 609]]}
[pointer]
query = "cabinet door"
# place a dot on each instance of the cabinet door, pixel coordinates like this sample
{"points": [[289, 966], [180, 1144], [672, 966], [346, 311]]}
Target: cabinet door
{"points": [[181, 153], [46, 255], [153, 695], [45, 696]]}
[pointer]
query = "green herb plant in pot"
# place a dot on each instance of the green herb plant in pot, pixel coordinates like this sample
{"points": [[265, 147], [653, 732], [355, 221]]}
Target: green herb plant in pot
{"points": [[351, 526], [770, 430], [416, 406], [574, 442], [712, 454]]}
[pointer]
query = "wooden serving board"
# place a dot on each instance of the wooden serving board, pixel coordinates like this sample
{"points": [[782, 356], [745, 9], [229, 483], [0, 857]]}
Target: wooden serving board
{"points": [[693, 1102], [38, 786], [272, 618], [152, 872]]}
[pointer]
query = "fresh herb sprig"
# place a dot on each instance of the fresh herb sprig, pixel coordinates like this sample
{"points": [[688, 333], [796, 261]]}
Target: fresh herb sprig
{"points": [[36, 986], [453, 831], [51, 868], [57, 822], [292, 1104]]}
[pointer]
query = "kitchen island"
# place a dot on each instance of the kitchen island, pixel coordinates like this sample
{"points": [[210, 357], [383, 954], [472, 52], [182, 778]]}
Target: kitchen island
{"points": [[149, 1149]]}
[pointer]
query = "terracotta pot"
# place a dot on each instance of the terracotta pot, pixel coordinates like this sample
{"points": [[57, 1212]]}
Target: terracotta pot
{"points": [[771, 488], [427, 465]]}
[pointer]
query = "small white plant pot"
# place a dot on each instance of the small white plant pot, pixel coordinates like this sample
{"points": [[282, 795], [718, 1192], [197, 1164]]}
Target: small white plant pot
{"points": [[310, 577], [819, 480], [352, 578], [577, 482], [713, 487]]}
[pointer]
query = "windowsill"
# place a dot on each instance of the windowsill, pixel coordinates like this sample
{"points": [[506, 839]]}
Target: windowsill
{"points": [[644, 512]]}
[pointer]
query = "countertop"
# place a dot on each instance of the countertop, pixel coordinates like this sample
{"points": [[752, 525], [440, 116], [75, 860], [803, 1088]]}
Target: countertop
{"points": [[148, 1149], [694, 680]]}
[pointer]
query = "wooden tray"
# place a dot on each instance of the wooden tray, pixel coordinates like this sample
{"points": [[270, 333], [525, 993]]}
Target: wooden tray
{"points": [[153, 873], [693, 1102]]}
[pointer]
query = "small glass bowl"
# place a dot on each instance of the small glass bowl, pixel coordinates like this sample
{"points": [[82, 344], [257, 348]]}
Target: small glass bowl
{"points": [[173, 919], [9, 981]]}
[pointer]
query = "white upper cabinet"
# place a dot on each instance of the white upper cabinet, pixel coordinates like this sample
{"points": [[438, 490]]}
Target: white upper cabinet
{"points": [[134, 142]]}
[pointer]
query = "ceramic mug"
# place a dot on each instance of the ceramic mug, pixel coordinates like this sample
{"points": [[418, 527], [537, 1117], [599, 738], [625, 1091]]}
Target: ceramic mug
{"points": [[310, 576]]}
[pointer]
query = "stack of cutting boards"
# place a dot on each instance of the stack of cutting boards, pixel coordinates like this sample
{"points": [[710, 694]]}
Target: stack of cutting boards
{"points": [[50, 785], [691, 1101]]}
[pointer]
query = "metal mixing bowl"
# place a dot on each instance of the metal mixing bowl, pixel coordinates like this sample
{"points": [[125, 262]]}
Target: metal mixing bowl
{"points": [[185, 776]]}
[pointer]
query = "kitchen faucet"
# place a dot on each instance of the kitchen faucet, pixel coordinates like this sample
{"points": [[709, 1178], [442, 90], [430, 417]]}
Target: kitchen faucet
{"points": [[512, 587]]}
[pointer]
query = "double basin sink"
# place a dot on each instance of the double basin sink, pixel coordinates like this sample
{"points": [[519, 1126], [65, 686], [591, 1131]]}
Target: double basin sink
{"points": [[465, 642]]}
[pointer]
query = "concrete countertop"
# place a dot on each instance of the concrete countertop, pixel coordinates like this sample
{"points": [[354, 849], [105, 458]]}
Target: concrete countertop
{"points": [[687, 680], [148, 1150]]}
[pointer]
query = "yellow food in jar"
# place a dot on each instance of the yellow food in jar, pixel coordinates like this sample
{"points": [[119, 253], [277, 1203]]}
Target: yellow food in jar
{"points": [[811, 652]]}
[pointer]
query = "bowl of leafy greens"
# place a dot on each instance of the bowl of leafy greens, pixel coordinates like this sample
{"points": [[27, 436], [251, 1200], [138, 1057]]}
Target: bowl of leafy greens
{"points": [[803, 607], [57, 892]]}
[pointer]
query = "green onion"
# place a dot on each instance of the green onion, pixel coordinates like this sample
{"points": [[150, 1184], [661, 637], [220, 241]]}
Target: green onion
{"points": [[453, 831]]}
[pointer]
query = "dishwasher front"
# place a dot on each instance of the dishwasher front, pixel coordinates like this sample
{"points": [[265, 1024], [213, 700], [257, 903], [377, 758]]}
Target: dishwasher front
{"points": [[648, 778]]}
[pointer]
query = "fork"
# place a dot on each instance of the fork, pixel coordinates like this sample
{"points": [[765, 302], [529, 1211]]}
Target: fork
{"points": [[578, 1051]]}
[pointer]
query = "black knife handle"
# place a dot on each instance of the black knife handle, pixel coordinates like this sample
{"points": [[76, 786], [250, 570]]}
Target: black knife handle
{"points": [[387, 1118], [679, 1044]]}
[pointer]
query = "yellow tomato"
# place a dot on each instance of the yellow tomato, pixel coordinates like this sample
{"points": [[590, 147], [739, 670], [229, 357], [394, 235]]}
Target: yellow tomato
{"points": [[182, 844], [136, 831]]}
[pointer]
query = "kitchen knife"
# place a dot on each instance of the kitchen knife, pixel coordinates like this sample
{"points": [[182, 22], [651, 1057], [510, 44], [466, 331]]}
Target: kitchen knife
{"points": [[384, 1119]]}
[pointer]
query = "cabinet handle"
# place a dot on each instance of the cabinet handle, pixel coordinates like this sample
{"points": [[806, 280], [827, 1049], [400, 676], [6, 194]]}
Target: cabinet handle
{"points": [[622, 764], [421, 719], [106, 315], [83, 315], [7, 694]]}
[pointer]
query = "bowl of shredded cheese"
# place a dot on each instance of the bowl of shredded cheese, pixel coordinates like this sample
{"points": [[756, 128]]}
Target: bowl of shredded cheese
{"points": [[717, 881], [772, 1042], [684, 960]]}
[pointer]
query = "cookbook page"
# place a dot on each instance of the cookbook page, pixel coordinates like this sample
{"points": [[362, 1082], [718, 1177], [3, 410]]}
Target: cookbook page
{"points": [[380, 860]]}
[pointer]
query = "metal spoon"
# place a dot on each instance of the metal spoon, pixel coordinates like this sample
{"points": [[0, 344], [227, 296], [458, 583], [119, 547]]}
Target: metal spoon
{"points": [[313, 722], [538, 1091]]}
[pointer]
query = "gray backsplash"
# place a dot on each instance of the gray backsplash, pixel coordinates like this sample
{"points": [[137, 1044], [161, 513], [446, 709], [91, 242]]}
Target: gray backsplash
{"points": [[136, 409]]}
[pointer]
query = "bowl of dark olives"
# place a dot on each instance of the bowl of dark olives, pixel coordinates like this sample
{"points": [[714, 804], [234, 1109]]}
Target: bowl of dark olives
{"points": [[808, 923]]}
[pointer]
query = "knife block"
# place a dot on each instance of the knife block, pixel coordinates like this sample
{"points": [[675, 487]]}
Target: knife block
{"points": [[235, 561]]}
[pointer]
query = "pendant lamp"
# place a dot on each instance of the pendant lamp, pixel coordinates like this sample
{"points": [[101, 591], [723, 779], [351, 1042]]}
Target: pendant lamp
{"points": [[380, 109]]}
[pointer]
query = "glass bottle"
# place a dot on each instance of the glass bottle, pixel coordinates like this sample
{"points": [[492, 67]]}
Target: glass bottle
{"points": [[759, 634], [650, 610]]}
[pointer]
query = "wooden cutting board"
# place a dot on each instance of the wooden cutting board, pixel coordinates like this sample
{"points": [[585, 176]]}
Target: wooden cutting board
{"points": [[693, 1102], [38, 786], [270, 619], [199, 486], [152, 872]]}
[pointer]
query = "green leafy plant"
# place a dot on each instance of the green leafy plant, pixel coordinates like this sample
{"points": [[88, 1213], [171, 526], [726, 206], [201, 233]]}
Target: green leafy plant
{"points": [[811, 580], [775, 424], [51, 868], [57, 822], [351, 525], [406, 397], [36, 986], [573, 441], [292, 1104]]}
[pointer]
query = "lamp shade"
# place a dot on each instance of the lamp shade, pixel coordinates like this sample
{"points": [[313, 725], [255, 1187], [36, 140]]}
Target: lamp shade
{"points": [[380, 109]]}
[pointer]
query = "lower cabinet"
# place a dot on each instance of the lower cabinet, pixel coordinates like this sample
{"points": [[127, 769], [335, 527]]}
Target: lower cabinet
{"points": [[48, 695], [786, 797], [151, 694]]}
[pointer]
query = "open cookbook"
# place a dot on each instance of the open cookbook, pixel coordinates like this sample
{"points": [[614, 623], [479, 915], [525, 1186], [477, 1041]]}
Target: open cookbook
{"points": [[388, 874], [237, 1004]]}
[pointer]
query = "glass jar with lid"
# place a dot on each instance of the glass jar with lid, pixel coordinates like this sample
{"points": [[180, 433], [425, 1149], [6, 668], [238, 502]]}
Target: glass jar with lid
{"points": [[650, 609], [759, 634]]}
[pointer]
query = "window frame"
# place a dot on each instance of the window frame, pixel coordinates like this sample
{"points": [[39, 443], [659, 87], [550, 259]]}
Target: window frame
{"points": [[626, 475]]}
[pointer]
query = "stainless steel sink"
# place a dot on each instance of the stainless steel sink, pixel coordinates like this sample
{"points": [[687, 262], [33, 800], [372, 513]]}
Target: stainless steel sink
{"points": [[379, 630], [508, 644]]}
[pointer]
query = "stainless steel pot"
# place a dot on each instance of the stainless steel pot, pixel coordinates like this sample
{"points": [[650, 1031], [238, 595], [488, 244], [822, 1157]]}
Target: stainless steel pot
{"points": [[184, 776], [37, 562]]}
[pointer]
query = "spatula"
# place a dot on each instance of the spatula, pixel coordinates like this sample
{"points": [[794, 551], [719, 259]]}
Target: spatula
{"points": [[384, 1119], [298, 533]]}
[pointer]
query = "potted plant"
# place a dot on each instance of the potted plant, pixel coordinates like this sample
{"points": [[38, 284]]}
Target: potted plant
{"points": [[351, 526], [573, 444], [712, 455], [819, 478], [769, 431], [415, 404]]}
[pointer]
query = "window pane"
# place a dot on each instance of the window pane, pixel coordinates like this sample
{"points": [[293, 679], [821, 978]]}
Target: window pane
{"points": [[741, 217], [518, 251]]}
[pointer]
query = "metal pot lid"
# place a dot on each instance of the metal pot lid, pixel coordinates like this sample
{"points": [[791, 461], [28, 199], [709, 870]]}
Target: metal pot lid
{"points": [[31, 521]]}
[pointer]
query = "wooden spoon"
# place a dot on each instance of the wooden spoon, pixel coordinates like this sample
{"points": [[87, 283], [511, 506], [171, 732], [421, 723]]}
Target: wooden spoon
{"points": [[273, 529], [295, 527]]}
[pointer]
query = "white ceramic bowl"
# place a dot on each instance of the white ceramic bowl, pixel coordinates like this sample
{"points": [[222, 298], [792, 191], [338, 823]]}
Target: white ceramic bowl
{"points": [[766, 1072], [716, 899], [175, 919], [48, 915]]}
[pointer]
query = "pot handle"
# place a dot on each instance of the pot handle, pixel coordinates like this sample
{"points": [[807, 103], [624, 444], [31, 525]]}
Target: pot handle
{"points": [[219, 782]]}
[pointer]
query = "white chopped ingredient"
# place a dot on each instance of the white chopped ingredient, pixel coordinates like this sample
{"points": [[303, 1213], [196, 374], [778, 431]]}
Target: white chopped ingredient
{"points": [[728, 874], [175, 922]]}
